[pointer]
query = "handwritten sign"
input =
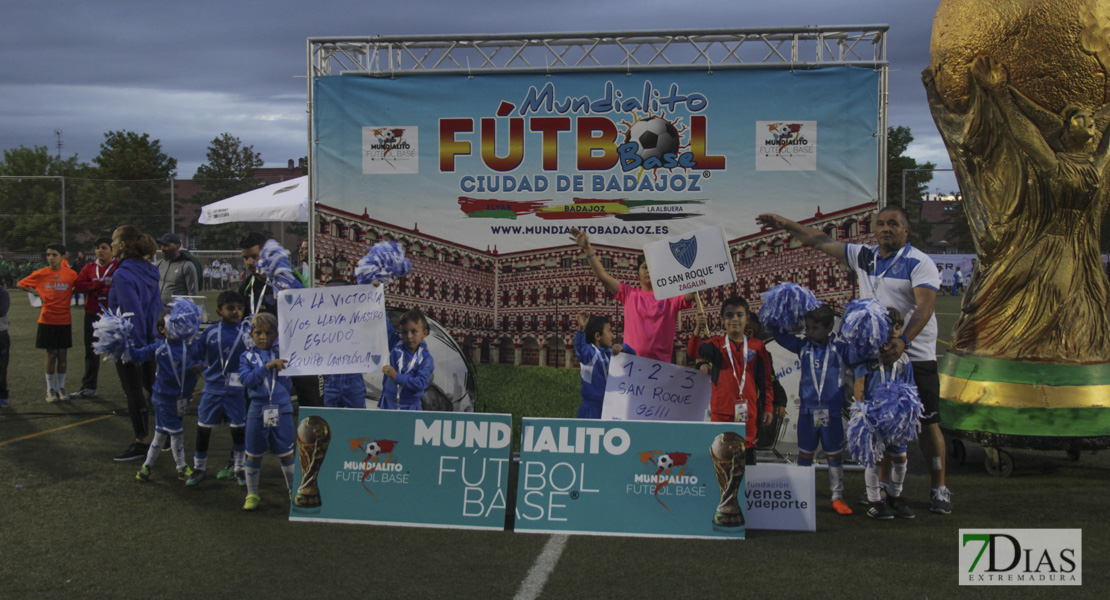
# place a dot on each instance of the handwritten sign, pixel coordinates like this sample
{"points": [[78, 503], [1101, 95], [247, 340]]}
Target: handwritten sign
{"points": [[642, 389], [332, 330], [689, 262]]}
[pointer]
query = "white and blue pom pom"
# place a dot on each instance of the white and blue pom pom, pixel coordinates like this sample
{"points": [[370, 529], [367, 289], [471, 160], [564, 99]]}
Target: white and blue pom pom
{"points": [[865, 327], [897, 410], [273, 261], [862, 440], [113, 335], [383, 261], [785, 306], [183, 322]]}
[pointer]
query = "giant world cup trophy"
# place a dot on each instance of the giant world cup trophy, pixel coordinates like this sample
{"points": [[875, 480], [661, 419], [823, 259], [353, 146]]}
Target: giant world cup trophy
{"points": [[1019, 90], [313, 437]]}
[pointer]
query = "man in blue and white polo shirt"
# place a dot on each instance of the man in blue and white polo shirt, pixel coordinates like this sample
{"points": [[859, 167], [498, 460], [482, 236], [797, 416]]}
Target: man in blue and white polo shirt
{"points": [[899, 275]]}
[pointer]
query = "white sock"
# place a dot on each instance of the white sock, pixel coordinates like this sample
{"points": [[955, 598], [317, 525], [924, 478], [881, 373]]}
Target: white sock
{"points": [[836, 481], [897, 479], [287, 470], [155, 448], [177, 446], [252, 478], [239, 457], [60, 381], [200, 464], [871, 480], [50, 382]]}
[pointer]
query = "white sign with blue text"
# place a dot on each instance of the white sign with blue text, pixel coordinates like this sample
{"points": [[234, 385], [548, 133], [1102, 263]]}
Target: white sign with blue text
{"points": [[642, 389], [686, 263], [332, 330]]}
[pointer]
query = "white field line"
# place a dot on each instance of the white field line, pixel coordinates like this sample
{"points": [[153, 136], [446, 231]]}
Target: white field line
{"points": [[532, 586]]}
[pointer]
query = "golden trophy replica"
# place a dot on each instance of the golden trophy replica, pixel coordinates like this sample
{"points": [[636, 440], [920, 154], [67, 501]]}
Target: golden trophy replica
{"points": [[727, 451], [1019, 90], [313, 436]]}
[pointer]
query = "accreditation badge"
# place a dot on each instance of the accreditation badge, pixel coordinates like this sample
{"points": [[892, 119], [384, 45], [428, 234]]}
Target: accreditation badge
{"points": [[270, 416], [233, 380], [821, 417], [182, 406], [741, 411]]}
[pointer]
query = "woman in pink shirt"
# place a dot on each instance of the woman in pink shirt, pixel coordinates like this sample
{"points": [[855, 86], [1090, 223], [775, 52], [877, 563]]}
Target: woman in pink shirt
{"points": [[649, 324]]}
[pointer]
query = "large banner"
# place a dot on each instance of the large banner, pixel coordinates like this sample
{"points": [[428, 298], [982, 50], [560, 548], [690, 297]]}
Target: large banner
{"points": [[402, 468], [636, 478], [515, 160]]}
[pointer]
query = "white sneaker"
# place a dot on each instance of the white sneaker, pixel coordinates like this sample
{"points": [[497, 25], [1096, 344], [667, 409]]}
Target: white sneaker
{"points": [[52, 396], [62, 394]]}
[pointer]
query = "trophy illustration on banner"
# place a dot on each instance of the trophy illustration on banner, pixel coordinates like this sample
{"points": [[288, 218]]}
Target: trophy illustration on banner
{"points": [[727, 451], [313, 436]]}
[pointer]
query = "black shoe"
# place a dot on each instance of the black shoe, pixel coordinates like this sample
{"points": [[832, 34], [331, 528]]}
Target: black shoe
{"points": [[134, 451], [877, 510], [899, 507]]}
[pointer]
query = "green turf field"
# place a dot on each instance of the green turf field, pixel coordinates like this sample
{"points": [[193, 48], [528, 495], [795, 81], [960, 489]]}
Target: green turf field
{"points": [[75, 524]]}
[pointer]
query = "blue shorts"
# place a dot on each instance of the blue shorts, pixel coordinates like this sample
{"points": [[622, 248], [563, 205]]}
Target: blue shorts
{"points": [[260, 438], [831, 436], [896, 450], [217, 408], [166, 418]]}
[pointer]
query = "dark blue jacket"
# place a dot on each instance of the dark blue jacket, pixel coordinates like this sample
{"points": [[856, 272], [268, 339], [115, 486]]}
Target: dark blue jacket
{"points": [[135, 290]]}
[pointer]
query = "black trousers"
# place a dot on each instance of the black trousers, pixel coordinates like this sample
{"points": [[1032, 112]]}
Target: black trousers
{"points": [[5, 353], [92, 361], [137, 380]]}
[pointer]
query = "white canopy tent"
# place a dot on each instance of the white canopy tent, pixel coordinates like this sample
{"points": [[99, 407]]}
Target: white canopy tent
{"points": [[284, 201]]}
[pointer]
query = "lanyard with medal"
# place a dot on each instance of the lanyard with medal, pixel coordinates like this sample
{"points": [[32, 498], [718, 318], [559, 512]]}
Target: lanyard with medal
{"points": [[820, 414], [182, 401], [270, 411], [231, 378], [876, 279], [404, 369], [741, 407], [256, 306], [102, 300]]}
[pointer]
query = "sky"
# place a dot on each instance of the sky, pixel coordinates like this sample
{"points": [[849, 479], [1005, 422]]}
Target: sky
{"points": [[187, 72]]}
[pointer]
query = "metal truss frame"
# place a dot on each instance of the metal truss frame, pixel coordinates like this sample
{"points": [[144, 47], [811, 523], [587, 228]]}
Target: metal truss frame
{"points": [[798, 48]]}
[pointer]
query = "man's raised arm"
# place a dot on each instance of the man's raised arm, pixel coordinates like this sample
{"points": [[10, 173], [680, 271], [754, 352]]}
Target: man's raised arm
{"points": [[809, 236]]}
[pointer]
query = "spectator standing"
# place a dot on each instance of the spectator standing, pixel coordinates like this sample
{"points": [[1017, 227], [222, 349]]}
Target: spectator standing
{"points": [[54, 284], [5, 345], [177, 274], [134, 290], [94, 280]]}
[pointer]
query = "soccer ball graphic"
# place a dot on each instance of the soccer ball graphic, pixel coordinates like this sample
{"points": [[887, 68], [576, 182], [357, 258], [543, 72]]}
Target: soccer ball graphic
{"points": [[783, 130], [664, 461], [387, 137], [655, 136], [372, 450]]}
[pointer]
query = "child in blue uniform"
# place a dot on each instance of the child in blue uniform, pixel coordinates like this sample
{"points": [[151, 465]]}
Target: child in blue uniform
{"points": [[594, 347], [175, 378], [270, 416], [870, 375], [220, 347], [410, 364], [824, 365]]}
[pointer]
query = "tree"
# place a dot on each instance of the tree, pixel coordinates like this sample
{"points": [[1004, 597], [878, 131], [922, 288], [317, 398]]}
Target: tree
{"points": [[898, 140], [31, 209], [228, 172], [136, 186]]}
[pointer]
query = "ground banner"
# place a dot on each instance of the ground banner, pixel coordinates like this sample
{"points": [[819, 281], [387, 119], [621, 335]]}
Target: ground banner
{"points": [[338, 329], [689, 263], [402, 468], [514, 160], [643, 389], [633, 478]]}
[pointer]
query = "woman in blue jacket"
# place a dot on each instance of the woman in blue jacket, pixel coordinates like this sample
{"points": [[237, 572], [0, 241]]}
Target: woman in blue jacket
{"points": [[134, 290]]}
